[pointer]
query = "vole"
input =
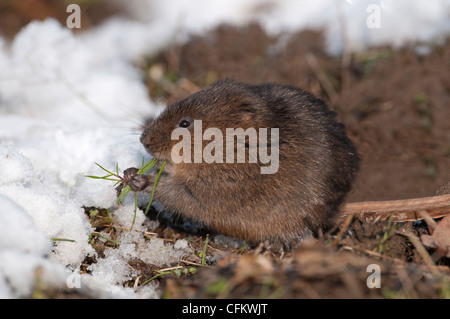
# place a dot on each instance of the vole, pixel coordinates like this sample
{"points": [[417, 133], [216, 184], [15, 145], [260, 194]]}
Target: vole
{"points": [[298, 194]]}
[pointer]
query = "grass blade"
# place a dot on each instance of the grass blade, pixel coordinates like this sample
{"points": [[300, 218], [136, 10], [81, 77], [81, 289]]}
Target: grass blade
{"points": [[204, 250], [62, 239], [105, 169], [124, 193], [135, 211], [154, 187], [147, 166]]}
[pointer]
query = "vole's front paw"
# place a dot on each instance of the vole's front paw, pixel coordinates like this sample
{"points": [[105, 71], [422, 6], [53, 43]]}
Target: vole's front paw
{"points": [[129, 173], [136, 182]]}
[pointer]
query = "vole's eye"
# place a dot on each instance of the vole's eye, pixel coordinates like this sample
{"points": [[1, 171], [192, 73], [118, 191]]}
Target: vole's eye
{"points": [[184, 123]]}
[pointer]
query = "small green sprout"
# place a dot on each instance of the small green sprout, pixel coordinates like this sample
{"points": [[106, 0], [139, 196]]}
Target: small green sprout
{"points": [[123, 189], [62, 239], [204, 250]]}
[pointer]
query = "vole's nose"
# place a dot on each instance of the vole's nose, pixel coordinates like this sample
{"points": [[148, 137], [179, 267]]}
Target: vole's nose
{"points": [[144, 142]]}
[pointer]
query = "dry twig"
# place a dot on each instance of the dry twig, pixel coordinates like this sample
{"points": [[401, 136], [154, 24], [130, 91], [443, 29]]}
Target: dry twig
{"points": [[401, 210]]}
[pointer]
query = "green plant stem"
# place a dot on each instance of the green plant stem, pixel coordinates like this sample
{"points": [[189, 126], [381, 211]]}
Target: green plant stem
{"points": [[204, 250], [154, 187], [62, 239]]}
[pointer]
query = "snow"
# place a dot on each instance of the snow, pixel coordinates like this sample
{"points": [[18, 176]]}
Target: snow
{"points": [[67, 101]]}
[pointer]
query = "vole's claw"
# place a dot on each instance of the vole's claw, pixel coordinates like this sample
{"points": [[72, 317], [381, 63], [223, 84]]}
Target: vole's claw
{"points": [[138, 183], [129, 173]]}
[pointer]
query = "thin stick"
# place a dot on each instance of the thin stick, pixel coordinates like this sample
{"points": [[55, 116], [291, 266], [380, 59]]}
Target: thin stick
{"points": [[371, 253], [191, 263], [401, 210], [347, 222], [139, 231], [399, 262], [422, 251], [429, 220], [171, 268]]}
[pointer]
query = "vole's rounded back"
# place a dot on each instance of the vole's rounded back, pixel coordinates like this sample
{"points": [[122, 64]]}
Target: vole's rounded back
{"points": [[299, 192]]}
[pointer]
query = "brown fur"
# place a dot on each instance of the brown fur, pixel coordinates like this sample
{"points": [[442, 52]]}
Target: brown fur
{"points": [[317, 164]]}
